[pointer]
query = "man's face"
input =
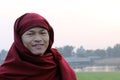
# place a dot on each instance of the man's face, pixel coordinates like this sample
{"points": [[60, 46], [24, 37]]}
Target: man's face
{"points": [[36, 40]]}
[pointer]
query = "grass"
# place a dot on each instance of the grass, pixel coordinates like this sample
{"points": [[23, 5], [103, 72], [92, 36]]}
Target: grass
{"points": [[98, 76]]}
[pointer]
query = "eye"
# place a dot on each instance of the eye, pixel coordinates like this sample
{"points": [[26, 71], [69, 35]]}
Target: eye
{"points": [[43, 32], [30, 33]]}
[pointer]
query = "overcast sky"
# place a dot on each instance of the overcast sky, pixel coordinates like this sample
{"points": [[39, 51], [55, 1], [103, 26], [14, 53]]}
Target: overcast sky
{"points": [[92, 24]]}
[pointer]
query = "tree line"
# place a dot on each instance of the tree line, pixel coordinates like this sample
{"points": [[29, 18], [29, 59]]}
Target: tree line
{"points": [[68, 51]]}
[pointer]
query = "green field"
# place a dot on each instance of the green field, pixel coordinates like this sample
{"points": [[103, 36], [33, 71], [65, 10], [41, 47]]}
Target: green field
{"points": [[98, 76]]}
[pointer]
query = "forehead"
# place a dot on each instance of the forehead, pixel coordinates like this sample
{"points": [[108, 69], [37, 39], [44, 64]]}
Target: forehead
{"points": [[36, 29]]}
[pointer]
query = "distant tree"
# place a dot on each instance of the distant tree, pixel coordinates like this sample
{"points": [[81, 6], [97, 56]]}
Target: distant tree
{"points": [[89, 53], [116, 50], [66, 51], [3, 54], [100, 52], [109, 52], [80, 52]]}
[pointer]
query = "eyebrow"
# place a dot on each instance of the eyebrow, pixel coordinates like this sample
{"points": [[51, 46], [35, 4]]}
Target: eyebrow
{"points": [[42, 29]]}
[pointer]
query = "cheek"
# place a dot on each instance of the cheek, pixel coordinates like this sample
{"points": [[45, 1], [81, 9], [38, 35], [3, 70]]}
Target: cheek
{"points": [[47, 40], [25, 41]]}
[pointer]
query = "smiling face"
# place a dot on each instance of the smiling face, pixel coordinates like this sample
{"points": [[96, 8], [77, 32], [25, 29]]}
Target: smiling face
{"points": [[36, 40]]}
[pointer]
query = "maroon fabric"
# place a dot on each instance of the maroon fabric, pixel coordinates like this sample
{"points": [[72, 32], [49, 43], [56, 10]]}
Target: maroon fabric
{"points": [[20, 64]]}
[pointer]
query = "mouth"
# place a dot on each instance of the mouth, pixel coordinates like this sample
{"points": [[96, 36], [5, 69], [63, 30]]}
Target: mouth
{"points": [[38, 46]]}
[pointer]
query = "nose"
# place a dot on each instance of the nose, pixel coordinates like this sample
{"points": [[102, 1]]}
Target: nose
{"points": [[37, 38]]}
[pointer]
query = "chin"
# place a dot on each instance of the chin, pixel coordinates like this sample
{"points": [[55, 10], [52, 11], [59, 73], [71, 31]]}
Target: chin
{"points": [[38, 53]]}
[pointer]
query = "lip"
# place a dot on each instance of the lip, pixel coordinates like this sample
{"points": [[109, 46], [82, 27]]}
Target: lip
{"points": [[38, 46]]}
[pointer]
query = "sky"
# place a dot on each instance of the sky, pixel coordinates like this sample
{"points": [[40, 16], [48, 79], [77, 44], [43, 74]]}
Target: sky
{"points": [[93, 24]]}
